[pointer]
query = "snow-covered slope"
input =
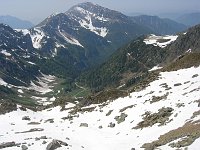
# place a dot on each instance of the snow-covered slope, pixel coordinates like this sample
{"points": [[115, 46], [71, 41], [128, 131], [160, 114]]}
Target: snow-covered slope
{"points": [[168, 105]]}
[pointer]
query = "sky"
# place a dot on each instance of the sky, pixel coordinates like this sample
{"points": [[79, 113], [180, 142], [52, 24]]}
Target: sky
{"points": [[37, 10]]}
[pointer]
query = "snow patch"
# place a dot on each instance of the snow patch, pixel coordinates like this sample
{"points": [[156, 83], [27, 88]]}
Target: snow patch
{"points": [[155, 68], [87, 22], [101, 18], [24, 31], [154, 40], [69, 38], [2, 82], [20, 91], [52, 99], [6, 53], [31, 63], [42, 85], [189, 50], [59, 45], [88, 25]]}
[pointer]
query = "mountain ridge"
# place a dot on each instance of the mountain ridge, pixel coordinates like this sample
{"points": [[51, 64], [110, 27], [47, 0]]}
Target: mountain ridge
{"points": [[190, 19], [132, 63], [158, 25], [15, 22]]}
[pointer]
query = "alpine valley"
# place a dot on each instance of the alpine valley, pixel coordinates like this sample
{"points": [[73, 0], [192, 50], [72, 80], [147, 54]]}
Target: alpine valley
{"points": [[94, 78]]}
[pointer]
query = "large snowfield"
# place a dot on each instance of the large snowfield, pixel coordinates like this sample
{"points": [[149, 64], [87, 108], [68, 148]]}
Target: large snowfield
{"points": [[99, 130]]}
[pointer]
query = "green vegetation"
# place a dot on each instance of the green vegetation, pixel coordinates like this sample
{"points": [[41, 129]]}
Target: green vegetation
{"points": [[186, 61], [128, 65], [103, 96]]}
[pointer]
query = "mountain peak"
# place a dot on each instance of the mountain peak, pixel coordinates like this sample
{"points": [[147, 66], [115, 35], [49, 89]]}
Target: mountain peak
{"points": [[88, 6], [92, 10]]}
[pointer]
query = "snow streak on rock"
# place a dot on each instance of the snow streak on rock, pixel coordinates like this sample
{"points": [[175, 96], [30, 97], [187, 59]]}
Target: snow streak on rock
{"points": [[68, 38], [87, 22], [5, 53], [37, 37]]}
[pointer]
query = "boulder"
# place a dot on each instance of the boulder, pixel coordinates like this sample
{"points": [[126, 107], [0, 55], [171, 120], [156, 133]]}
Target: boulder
{"points": [[83, 125], [111, 125], [7, 144], [24, 147], [26, 118], [121, 118], [55, 144]]}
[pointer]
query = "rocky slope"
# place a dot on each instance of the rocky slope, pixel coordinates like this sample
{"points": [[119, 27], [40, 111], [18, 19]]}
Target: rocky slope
{"points": [[164, 115]]}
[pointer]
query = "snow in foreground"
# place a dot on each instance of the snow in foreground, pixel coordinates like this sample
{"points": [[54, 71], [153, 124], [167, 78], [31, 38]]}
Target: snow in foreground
{"points": [[182, 90]]}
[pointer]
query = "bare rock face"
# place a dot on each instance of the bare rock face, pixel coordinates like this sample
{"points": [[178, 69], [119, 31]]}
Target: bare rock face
{"points": [[121, 118], [7, 144], [111, 125], [83, 125], [24, 147], [55, 144], [26, 118]]}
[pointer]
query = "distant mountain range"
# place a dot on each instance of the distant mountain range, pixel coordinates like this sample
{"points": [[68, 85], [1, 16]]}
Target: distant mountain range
{"points": [[16, 23], [190, 19], [159, 25]]}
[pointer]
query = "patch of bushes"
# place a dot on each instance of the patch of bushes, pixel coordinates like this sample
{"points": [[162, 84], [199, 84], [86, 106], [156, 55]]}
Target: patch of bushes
{"points": [[7, 106], [186, 61]]}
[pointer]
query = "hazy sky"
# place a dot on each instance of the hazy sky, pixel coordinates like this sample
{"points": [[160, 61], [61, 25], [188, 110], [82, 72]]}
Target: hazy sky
{"points": [[37, 10]]}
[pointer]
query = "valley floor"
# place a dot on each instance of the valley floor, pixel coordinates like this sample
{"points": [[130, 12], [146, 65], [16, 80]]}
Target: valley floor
{"points": [[169, 106]]}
